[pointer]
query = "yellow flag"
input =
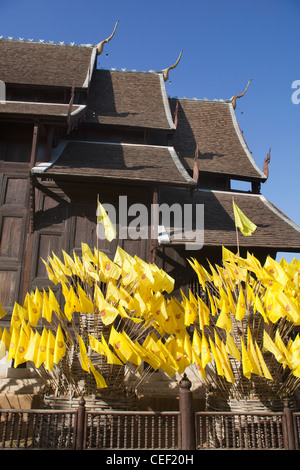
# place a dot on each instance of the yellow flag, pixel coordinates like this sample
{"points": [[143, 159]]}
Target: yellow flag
{"points": [[264, 367], [118, 342], [242, 222], [83, 355], [226, 364], [60, 345], [107, 312], [246, 362], [51, 275], [18, 314], [216, 357], [258, 307], [2, 311], [203, 313], [270, 346], [49, 363], [231, 347], [22, 345], [33, 346], [283, 349], [34, 312], [273, 308], [46, 309], [86, 305], [100, 381], [205, 352], [252, 355], [14, 340], [72, 304], [224, 320], [103, 349], [148, 357], [42, 349], [169, 364], [4, 343], [241, 306], [102, 218]]}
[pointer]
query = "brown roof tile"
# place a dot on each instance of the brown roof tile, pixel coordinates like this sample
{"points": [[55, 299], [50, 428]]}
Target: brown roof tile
{"points": [[124, 98], [274, 229], [121, 162], [213, 125], [31, 63]]}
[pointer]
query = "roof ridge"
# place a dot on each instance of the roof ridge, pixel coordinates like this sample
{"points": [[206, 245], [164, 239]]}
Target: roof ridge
{"points": [[43, 41], [205, 100]]}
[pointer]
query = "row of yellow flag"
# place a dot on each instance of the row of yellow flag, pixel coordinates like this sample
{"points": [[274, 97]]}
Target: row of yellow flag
{"points": [[24, 344], [135, 291]]}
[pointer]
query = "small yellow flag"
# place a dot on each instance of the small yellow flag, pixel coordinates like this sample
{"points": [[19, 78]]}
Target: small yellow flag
{"points": [[242, 222], [102, 218]]}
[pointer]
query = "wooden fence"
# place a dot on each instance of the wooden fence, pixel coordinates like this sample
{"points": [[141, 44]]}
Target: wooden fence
{"points": [[83, 428]]}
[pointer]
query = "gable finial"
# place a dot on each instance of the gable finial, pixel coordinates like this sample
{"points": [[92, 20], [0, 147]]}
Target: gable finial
{"points": [[166, 71], [234, 98], [266, 164], [101, 44]]}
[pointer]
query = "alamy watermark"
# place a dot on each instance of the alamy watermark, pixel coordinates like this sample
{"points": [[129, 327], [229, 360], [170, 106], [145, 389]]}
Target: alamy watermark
{"points": [[174, 223], [296, 94]]}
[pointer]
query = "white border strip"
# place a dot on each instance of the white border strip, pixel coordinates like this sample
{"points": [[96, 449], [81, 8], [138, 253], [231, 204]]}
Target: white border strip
{"points": [[286, 219], [180, 167], [42, 167], [90, 69], [242, 141], [166, 101]]}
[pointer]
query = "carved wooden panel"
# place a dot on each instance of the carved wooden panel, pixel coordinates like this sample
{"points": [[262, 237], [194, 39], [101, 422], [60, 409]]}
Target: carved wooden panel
{"points": [[14, 200]]}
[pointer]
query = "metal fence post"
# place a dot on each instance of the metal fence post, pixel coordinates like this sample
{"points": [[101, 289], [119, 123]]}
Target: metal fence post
{"points": [[188, 434], [289, 424], [80, 423]]}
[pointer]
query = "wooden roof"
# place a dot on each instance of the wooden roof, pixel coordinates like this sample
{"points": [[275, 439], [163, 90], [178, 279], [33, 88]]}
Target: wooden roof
{"points": [[119, 162], [222, 148], [124, 98], [45, 64], [274, 229]]}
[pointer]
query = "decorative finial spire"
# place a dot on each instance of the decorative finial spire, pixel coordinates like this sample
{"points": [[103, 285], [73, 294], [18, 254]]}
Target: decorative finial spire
{"points": [[101, 44], [166, 71], [234, 98], [266, 164]]}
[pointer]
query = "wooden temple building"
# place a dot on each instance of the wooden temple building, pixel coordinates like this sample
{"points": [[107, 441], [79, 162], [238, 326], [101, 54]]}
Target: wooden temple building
{"points": [[70, 131]]}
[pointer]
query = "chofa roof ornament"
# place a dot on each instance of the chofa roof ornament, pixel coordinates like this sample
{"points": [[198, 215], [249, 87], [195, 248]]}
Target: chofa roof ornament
{"points": [[266, 164], [234, 98], [166, 71], [101, 44]]}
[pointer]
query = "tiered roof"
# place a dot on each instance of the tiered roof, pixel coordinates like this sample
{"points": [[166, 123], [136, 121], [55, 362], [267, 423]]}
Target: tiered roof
{"points": [[44, 64], [137, 101], [222, 148], [131, 99], [117, 162], [274, 229]]}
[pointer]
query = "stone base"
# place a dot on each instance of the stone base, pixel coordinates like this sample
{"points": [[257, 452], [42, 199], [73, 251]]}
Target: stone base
{"points": [[21, 393]]}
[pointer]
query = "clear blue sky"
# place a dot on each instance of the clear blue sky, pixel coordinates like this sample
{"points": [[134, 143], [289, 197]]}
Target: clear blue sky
{"points": [[225, 43]]}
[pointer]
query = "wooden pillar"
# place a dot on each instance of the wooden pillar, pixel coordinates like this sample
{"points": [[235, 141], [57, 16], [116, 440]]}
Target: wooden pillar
{"points": [[288, 423], [188, 433], [29, 244], [80, 425]]}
